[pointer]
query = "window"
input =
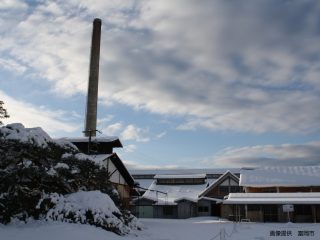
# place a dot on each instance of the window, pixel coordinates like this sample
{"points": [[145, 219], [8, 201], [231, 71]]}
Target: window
{"points": [[203, 209]]}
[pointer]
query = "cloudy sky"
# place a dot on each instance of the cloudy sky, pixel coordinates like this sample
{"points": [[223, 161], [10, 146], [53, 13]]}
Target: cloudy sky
{"points": [[183, 83]]}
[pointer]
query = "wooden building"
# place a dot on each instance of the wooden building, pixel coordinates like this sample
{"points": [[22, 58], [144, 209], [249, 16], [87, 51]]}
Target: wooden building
{"points": [[171, 196], [100, 149], [185, 195], [269, 190], [120, 178], [224, 185]]}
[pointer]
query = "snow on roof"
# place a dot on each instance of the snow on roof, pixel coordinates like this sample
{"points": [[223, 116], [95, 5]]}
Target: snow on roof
{"points": [[181, 176], [218, 181], [217, 200], [82, 142], [168, 194], [182, 171], [93, 139], [136, 199], [145, 183], [273, 198], [281, 176]]}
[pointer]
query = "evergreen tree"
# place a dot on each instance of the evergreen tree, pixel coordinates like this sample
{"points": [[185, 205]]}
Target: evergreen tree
{"points": [[38, 174], [3, 112]]}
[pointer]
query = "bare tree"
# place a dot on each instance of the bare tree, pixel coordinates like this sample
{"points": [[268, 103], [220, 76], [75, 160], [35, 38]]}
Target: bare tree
{"points": [[3, 112]]}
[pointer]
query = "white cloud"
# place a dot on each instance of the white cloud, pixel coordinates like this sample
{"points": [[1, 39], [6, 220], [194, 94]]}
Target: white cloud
{"points": [[52, 121], [130, 148], [12, 4], [198, 61], [12, 66], [101, 121], [161, 135], [127, 133], [112, 129], [268, 155], [218, 75], [11, 13], [132, 132], [56, 50]]}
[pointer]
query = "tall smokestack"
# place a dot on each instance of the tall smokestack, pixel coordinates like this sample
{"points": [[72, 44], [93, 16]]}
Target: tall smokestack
{"points": [[92, 97]]}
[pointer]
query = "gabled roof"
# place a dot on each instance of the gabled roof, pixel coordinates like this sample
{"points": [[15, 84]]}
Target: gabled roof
{"points": [[220, 180], [122, 169], [100, 158], [291, 176], [168, 194], [97, 145]]}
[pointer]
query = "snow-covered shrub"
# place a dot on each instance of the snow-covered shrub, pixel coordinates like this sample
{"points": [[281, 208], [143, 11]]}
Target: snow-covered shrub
{"points": [[86, 207], [35, 169]]}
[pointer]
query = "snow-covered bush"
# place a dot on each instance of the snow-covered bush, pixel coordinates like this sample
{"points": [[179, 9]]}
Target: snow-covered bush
{"points": [[45, 179], [86, 207]]}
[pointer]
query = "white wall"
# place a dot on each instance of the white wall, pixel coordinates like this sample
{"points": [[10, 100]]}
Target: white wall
{"points": [[226, 183], [116, 176]]}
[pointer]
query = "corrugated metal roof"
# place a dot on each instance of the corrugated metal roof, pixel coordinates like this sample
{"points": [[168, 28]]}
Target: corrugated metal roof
{"points": [[291, 176]]}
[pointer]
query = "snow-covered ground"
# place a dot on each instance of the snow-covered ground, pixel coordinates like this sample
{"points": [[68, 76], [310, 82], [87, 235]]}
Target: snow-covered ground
{"points": [[164, 229]]}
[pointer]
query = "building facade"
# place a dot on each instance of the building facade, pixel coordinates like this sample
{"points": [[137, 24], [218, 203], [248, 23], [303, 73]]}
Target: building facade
{"points": [[268, 194], [100, 149], [269, 191], [185, 195]]}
